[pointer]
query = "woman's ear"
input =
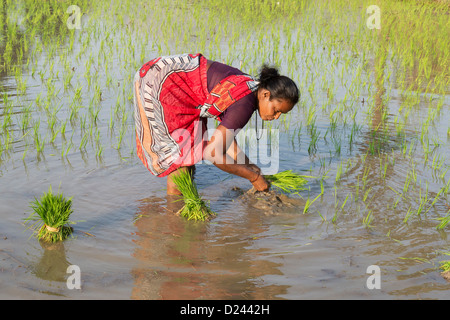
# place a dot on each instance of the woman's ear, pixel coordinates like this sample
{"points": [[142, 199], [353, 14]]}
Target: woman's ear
{"points": [[263, 94]]}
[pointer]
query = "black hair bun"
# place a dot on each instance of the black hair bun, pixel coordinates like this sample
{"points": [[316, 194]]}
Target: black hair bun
{"points": [[280, 87], [267, 73]]}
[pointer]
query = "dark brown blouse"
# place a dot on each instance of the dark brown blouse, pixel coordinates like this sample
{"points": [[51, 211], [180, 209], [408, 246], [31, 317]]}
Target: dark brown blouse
{"points": [[239, 113]]}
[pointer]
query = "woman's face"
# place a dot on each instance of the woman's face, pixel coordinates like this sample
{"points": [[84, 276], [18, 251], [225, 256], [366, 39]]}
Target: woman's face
{"points": [[271, 109]]}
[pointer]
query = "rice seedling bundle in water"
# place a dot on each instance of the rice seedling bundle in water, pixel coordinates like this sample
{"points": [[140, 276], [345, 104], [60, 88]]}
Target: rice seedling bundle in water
{"points": [[50, 217], [195, 208], [288, 181]]}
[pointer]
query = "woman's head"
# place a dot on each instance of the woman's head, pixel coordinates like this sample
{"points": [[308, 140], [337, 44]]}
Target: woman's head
{"points": [[276, 94]]}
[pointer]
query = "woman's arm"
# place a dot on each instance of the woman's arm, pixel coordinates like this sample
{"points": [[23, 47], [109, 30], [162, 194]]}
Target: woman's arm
{"points": [[223, 151], [240, 157], [236, 153]]}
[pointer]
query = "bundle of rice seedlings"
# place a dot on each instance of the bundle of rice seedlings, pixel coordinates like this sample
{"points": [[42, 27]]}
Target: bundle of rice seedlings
{"points": [[194, 207], [50, 217], [288, 181]]}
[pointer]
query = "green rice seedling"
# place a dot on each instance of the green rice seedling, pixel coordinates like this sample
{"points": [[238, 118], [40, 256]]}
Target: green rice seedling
{"points": [[7, 140], [195, 208], [383, 167], [99, 152], [38, 142], [443, 221], [7, 120], [345, 201], [423, 200], [120, 137], [408, 215], [26, 117], [336, 209], [53, 136], [312, 148], [288, 181], [63, 129], [367, 220], [443, 173], [111, 121], [366, 194], [407, 183], [372, 147], [337, 146], [66, 148], [338, 173], [83, 142], [446, 188], [436, 198], [310, 202], [50, 217]]}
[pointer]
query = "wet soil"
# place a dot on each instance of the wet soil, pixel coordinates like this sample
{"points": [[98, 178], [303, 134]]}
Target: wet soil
{"points": [[270, 202]]}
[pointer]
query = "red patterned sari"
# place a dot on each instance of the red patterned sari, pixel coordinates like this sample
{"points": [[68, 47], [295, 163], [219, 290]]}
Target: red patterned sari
{"points": [[171, 106]]}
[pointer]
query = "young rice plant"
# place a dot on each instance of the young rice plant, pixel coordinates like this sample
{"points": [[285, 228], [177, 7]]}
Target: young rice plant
{"points": [[50, 217], [194, 207], [288, 181]]}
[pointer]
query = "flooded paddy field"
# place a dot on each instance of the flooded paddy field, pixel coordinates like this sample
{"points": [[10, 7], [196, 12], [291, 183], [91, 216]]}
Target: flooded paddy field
{"points": [[372, 127]]}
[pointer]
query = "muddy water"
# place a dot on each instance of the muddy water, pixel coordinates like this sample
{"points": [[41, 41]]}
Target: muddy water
{"points": [[129, 243]]}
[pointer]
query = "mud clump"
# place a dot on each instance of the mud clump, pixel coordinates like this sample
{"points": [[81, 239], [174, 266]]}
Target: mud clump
{"points": [[271, 202], [446, 275]]}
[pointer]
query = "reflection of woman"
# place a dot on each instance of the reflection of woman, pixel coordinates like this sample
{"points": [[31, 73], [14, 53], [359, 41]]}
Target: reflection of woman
{"points": [[175, 259], [174, 95]]}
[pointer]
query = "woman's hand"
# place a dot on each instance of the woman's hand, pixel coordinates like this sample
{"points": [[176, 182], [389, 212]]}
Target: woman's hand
{"points": [[260, 184]]}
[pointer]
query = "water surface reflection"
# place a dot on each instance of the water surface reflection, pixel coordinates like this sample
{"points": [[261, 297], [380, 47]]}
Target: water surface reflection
{"points": [[180, 259]]}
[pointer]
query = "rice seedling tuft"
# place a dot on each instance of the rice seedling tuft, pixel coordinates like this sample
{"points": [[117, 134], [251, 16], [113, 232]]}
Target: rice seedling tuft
{"points": [[288, 181], [50, 217], [443, 222], [195, 208]]}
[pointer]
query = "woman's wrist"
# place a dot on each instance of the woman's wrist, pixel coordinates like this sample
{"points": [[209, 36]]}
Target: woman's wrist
{"points": [[254, 179]]}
